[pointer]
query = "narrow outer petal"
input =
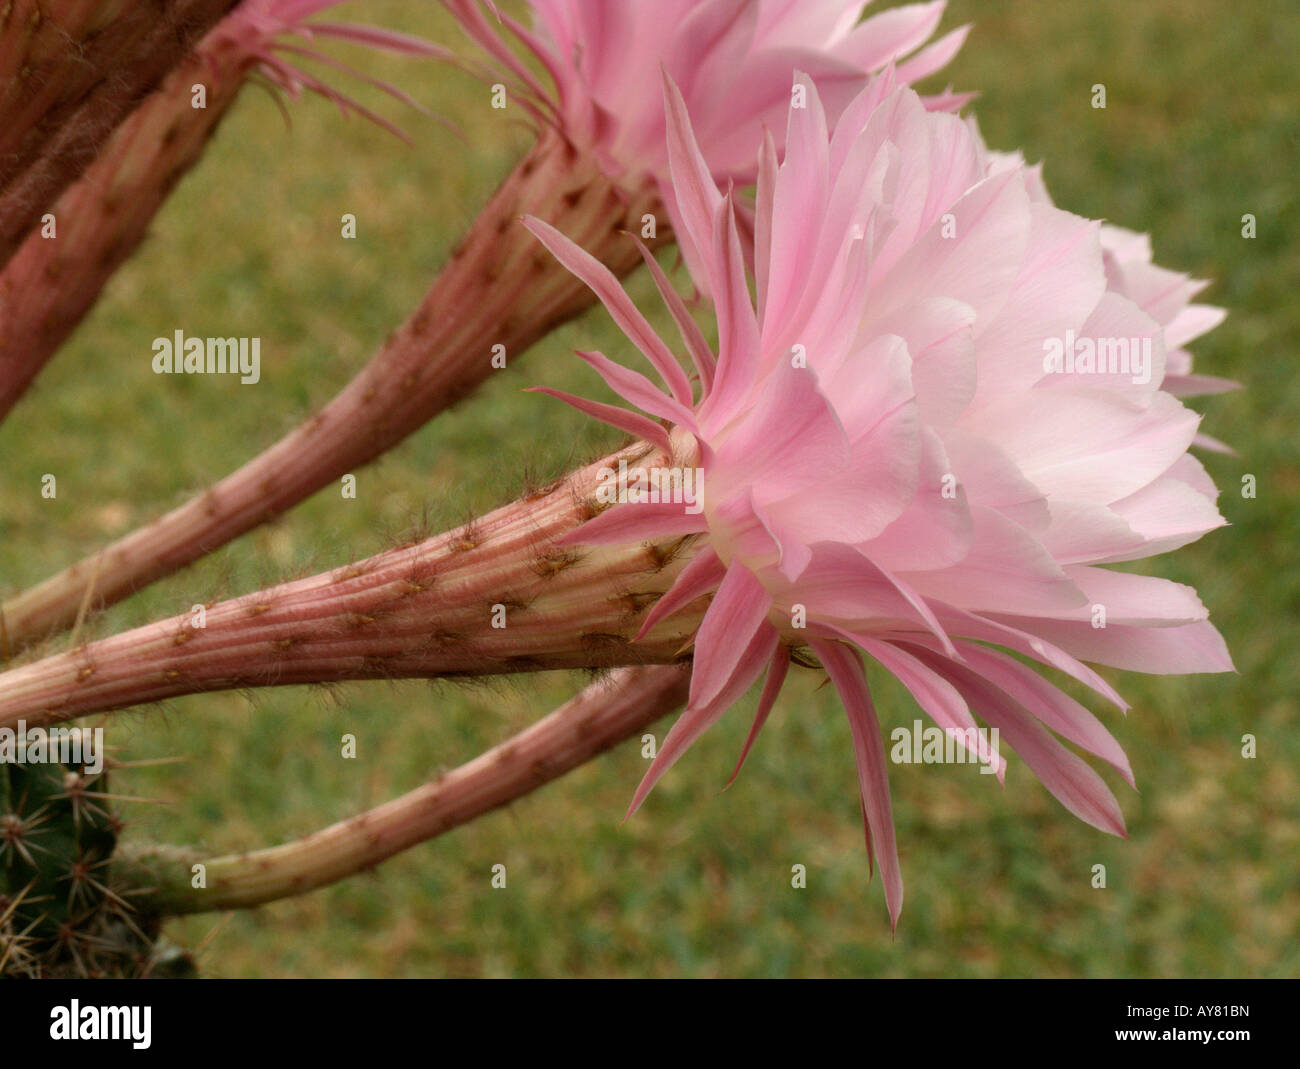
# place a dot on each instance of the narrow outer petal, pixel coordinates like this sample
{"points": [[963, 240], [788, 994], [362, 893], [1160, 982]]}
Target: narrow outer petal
{"points": [[845, 669]]}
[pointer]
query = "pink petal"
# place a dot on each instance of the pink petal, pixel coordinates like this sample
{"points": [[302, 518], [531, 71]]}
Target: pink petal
{"points": [[1054, 708], [993, 480], [1191, 471], [604, 285], [1086, 534], [1067, 776], [976, 266], [1167, 514], [776, 673], [764, 194], [737, 612], [1191, 322], [1182, 650], [786, 440], [857, 501], [696, 195], [1028, 642], [376, 37], [700, 577], [709, 44], [1197, 385], [936, 696], [759, 96], [934, 531], [871, 385], [1159, 292], [845, 670], [793, 551], [1205, 441], [840, 584], [1132, 599], [738, 338], [737, 523], [857, 114], [470, 17], [939, 336], [701, 354], [1109, 452], [635, 388], [698, 718], [923, 610], [632, 422], [1121, 332], [1057, 287], [931, 59], [1005, 567], [801, 188], [891, 34]]}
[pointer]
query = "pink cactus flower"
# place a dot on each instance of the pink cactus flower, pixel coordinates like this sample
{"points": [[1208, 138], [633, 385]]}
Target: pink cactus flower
{"points": [[731, 60], [893, 463]]}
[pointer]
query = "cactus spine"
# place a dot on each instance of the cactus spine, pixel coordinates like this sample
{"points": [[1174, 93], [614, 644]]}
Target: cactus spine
{"points": [[63, 912]]}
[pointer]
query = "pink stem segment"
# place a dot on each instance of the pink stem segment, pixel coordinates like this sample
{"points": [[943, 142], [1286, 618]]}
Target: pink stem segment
{"points": [[498, 595], [603, 715]]}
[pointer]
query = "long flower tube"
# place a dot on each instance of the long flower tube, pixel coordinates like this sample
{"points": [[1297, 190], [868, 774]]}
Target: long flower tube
{"points": [[920, 444], [500, 293], [604, 714], [101, 219], [70, 71], [499, 595]]}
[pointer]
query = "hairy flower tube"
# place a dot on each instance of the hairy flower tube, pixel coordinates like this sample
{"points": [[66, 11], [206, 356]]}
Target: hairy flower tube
{"points": [[894, 464]]}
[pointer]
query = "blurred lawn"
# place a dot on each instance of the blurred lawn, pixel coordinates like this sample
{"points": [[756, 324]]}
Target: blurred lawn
{"points": [[1201, 127]]}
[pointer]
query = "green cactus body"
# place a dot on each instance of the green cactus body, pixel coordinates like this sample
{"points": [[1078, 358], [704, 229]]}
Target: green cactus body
{"points": [[61, 914]]}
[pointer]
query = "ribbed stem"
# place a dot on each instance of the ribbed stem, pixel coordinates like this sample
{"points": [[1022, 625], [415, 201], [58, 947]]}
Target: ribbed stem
{"points": [[70, 72], [100, 220], [500, 287], [604, 714], [496, 596]]}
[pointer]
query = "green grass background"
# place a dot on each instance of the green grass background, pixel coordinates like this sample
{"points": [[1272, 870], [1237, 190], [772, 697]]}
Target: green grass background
{"points": [[1200, 127]]}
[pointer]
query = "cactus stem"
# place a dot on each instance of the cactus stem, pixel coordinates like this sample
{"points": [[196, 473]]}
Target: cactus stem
{"points": [[604, 714], [490, 612]]}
